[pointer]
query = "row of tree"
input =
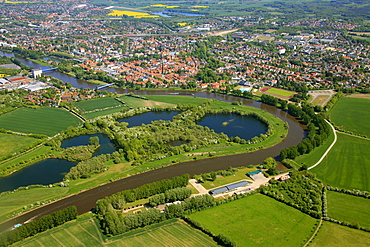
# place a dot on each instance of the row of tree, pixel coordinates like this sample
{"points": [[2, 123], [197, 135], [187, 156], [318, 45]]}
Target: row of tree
{"points": [[177, 194], [44, 223]]}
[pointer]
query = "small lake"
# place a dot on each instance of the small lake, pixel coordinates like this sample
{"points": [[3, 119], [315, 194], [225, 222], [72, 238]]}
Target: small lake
{"points": [[148, 117], [106, 146], [45, 172], [234, 125]]}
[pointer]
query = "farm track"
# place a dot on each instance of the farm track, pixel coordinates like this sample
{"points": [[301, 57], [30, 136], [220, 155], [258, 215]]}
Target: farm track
{"points": [[314, 234]]}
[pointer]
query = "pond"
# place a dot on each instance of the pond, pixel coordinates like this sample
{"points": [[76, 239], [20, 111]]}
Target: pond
{"points": [[51, 171], [234, 125], [106, 146], [148, 117], [45, 172]]}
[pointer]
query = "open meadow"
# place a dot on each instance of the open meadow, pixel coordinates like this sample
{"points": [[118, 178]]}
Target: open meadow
{"points": [[133, 102], [347, 165], [85, 232], [9, 144], [334, 235], [352, 114], [348, 208], [168, 233], [258, 220], [176, 100], [44, 120], [97, 104]]}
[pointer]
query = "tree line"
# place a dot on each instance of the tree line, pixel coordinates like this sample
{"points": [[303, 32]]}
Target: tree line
{"points": [[44, 223]]}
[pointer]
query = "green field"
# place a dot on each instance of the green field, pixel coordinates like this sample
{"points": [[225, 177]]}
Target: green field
{"points": [[10, 144], [347, 165], [44, 120], [15, 201], [352, 114], [85, 232], [80, 232], [168, 233], [176, 100], [239, 175], [101, 103], [280, 92], [334, 235], [258, 220], [349, 208]]}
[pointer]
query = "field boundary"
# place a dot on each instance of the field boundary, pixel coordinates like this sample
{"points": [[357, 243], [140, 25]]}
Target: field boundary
{"points": [[330, 147], [314, 234]]}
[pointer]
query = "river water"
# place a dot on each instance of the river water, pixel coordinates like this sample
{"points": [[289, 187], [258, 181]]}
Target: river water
{"points": [[85, 201]]}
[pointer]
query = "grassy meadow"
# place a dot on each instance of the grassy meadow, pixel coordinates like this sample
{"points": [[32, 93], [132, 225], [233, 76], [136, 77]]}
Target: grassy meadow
{"points": [[334, 235], [152, 102], [175, 100], [352, 114], [85, 232], [347, 165], [44, 120], [10, 144], [168, 233], [101, 103], [348, 208], [258, 220], [280, 92]]}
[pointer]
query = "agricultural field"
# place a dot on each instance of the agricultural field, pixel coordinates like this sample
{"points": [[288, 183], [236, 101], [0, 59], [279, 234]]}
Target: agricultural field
{"points": [[132, 102], [176, 100], [9, 144], [262, 220], [347, 164], [168, 233], [97, 104], [348, 208], [80, 232], [352, 114], [44, 120], [85, 232], [334, 235], [278, 92]]}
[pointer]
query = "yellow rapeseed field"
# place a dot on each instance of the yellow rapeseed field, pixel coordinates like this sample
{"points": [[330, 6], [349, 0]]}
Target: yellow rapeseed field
{"points": [[200, 6], [130, 13]]}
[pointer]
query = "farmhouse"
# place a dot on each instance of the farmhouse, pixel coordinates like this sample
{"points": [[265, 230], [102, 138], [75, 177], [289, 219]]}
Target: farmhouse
{"points": [[229, 187]]}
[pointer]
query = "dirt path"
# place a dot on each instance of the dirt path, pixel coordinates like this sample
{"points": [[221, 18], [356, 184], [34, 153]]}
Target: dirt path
{"points": [[327, 151], [353, 135], [198, 187], [224, 32], [314, 234]]}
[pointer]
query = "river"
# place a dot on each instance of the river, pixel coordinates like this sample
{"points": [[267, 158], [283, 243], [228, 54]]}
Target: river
{"points": [[85, 201]]}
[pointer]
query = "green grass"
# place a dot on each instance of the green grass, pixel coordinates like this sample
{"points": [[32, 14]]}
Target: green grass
{"points": [[15, 201], [81, 232], [315, 155], [44, 120], [258, 220], [85, 232], [177, 99], [349, 208], [334, 235], [101, 103], [92, 115], [280, 92], [347, 165], [138, 103], [10, 144], [239, 175], [169, 233], [352, 114]]}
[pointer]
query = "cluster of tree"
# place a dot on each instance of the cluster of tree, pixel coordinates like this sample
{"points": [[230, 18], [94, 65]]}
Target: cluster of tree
{"points": [[302, 191], [319, 131], [333, 101], [177, 194], [113, 222], [213, 175], [268, 99], [78, 153], [86, 168], [44, 223]]}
